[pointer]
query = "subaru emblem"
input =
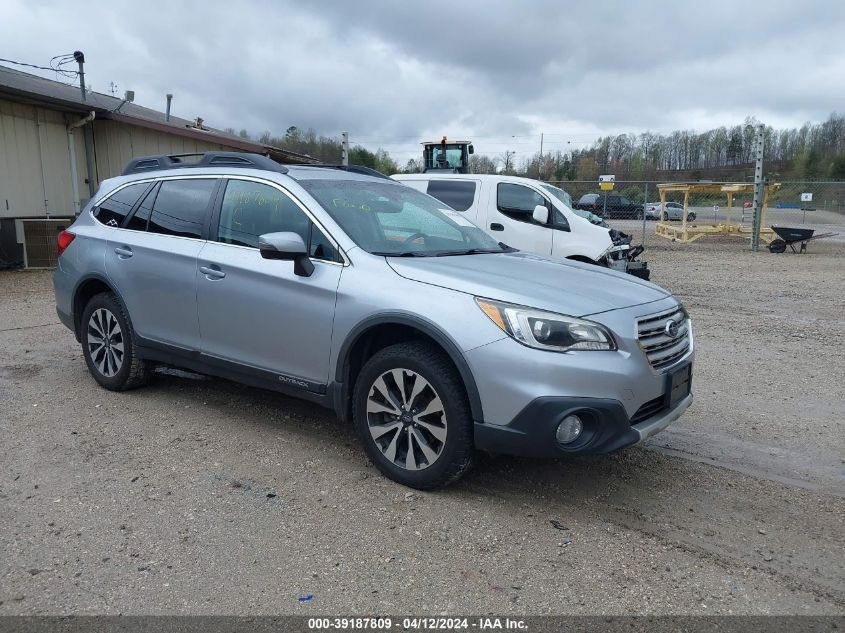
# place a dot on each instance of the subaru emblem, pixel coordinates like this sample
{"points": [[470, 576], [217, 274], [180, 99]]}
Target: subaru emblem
{"points": [[672, 328]]}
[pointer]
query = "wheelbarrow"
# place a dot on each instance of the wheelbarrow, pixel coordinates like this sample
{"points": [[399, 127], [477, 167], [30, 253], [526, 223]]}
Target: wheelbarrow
{"points": [[791, 236]]}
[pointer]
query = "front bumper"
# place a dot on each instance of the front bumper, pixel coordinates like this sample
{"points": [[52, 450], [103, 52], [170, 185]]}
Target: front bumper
{"points": [[525, 393], [606, 429]]}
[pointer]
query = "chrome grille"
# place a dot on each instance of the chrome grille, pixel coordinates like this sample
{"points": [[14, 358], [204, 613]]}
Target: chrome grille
{"points": [[661, 349]]}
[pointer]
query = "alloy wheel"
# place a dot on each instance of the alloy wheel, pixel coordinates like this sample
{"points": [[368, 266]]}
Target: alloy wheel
{"points": [[406, 419], [105, 342]]}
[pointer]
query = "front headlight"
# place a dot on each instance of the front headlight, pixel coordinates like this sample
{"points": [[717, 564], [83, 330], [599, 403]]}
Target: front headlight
{"points": [[547, 330]]}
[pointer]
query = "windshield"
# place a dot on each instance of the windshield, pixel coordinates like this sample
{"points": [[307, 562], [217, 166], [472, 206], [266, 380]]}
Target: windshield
{"points": [[392, 219], [451, 158], [560, 194]]}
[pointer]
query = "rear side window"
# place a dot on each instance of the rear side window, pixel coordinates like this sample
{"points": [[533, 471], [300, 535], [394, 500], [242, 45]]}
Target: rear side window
{"points": [[112, 210], [458, 194], [517, 201], [181, 207], [139, 219]]}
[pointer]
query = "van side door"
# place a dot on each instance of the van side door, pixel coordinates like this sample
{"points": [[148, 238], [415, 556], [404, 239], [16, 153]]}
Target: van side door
{"points": [[510, 220]]}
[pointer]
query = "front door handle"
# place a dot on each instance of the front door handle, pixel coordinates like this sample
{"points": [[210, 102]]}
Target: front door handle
{"points": [[212, 272], [124, 252], [496, 227]]}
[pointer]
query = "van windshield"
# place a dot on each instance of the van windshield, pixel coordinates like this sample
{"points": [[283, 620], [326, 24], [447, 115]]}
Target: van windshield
{"points": [[391, 219], [559, 193]]}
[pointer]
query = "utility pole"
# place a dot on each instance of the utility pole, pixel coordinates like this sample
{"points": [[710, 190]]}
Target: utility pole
{"points": [[758, 189], [540, 163], [344, 149], [79, 56]]}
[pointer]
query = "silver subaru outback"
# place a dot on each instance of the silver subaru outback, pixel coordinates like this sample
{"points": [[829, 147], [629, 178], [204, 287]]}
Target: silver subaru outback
{"points": [[370, 298]]}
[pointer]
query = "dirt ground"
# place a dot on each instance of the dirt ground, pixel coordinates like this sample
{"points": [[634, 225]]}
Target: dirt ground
{"points": [[201, 496]]}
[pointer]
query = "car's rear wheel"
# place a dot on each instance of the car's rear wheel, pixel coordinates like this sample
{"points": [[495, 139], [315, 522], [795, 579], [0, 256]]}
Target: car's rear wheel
{"points": [[412, 415], [108, 345], [639, 215], [690, 217], [664, 216]]}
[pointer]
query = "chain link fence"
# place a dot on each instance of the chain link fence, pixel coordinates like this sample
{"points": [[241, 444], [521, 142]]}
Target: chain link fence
{"points": [[633, 206]]}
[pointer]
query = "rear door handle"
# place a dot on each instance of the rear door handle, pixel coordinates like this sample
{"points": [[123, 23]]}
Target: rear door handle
{"points": [[496, 227], [124, 252], [212, 272]]}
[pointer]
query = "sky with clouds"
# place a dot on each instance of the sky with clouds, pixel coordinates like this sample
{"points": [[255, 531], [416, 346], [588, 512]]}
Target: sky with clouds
{"points": [[393, 73]]}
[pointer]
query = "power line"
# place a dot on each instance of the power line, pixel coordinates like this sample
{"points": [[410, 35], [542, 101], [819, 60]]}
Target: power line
{"points": [[54, 69]]}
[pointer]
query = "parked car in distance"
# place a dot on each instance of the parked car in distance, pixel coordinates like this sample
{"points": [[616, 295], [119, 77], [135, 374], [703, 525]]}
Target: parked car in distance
{"points": [[611, 206], [672, 211], [652, 210], [369, 298], [586, 202], [566, 199]]}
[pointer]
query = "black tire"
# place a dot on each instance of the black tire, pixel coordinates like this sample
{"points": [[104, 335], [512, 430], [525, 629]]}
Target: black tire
{"points": [[456, 453], [664, 216], [777, 246], [639, 215], [132, 372], [690, 217]]}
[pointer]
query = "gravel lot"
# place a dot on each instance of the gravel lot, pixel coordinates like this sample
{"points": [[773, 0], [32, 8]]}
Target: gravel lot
{"points": [[201, 496]]}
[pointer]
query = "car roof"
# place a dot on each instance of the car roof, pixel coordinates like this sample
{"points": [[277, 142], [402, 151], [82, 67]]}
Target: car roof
{"points": [[296, 172], [495, 177]]}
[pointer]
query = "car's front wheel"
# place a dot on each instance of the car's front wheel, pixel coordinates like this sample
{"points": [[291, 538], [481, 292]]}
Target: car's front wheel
{"points": [[108, 345], [411, 412], [690, 217], [639, 215]]}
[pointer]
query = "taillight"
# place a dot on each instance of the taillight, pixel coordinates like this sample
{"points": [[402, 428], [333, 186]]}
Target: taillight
{"points": [[65, 238]]}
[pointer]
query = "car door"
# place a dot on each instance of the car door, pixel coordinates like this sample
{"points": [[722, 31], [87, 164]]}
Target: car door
{"points": [[256, 312], [509, 218], [675, 210], [152, 260]]}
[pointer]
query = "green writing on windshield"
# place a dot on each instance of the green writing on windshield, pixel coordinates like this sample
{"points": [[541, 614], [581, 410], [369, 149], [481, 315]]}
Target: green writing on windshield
{"points": [[343, 203]]}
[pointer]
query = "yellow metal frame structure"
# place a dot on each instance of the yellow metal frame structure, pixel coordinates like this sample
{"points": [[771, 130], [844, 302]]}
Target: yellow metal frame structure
{"points": [[689, 233]]}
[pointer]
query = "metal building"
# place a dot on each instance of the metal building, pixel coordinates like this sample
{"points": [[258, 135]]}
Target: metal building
{"points": [[55, 149]]}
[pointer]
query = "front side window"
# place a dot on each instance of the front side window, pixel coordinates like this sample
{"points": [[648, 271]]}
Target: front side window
{"points": [[517, 201], [458, 194], [389, 219], [112, 210], [181, 207], [251, 209]]}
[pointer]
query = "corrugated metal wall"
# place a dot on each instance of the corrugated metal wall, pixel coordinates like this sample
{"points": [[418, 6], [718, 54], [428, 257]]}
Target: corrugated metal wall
{"points": [[35, 174], [35, 171], [115, 143], [35, 162]]}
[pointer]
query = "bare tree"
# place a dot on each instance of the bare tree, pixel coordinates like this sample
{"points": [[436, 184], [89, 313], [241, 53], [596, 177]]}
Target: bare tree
{"points": [[506, 159]]}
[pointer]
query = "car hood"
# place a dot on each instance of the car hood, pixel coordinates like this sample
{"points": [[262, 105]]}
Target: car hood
{"points": [[558, 285]]}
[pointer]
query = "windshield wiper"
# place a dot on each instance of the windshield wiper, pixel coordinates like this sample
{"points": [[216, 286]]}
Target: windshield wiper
{"points": [[474, 251]]}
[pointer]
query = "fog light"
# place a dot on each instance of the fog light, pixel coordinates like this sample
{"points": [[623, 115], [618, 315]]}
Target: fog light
{"points": [[569, 429]]}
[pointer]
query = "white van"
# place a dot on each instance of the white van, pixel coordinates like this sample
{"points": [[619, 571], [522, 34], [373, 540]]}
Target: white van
{"points": [[522, 213]]}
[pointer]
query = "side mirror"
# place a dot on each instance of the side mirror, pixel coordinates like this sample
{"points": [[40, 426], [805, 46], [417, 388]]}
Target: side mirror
{"points": [[289, 247], [541, 214], [471, 149]]}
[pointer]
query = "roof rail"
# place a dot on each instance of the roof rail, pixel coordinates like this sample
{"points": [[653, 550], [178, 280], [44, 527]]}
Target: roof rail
{"points": [[355, 169], [207, 159]]}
